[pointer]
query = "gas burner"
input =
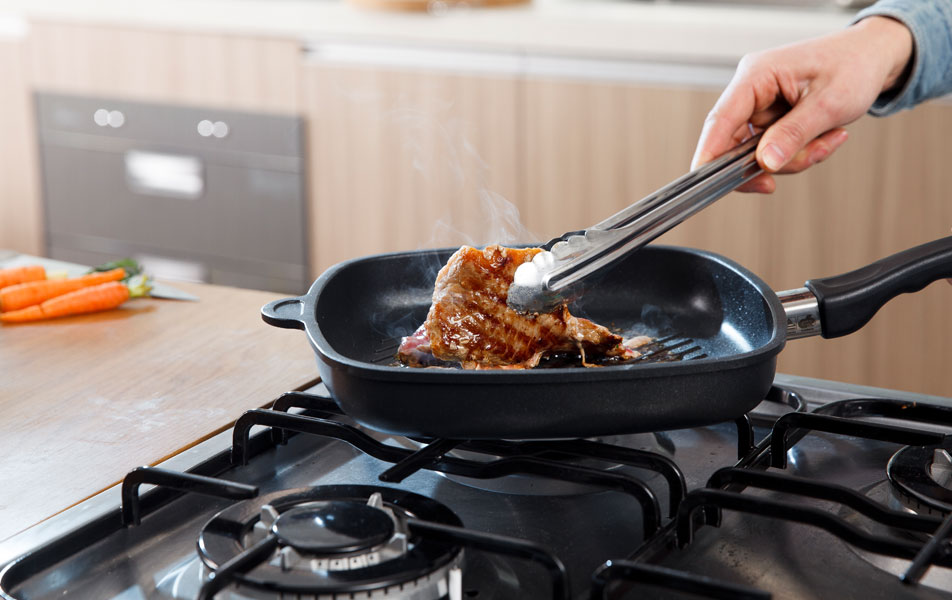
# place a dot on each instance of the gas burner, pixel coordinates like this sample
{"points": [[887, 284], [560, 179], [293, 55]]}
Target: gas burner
{"points": [[922, 478], [334, 526], [886, 494], [333, 535], [333, 541]]}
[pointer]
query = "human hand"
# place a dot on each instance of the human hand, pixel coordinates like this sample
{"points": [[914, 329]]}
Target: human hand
{"points": [[803, 94]]}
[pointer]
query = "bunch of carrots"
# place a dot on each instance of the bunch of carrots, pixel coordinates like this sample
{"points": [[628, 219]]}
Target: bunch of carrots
{"points": [[28, 294]]}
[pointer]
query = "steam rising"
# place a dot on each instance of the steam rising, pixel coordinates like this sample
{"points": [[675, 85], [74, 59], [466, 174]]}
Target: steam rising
{"points": [[457, 160], [436, 147]]}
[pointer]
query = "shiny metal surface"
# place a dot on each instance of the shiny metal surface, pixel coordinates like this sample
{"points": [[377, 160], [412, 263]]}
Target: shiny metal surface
{"points": [[803, 313], [157, 560], [547, 281], [941, 469], [800, 562]]}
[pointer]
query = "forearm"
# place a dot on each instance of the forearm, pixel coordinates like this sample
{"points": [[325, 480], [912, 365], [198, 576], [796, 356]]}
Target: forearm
{"points": [[929, 71]]}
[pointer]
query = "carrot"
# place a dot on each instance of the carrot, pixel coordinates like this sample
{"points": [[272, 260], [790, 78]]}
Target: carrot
{"points": [[22, 274], [84, 300], [22, 295], [30, 313]]}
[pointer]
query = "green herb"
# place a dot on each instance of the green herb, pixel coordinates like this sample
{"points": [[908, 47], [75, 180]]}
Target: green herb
{"points": [[139, 286], [131, 266]]}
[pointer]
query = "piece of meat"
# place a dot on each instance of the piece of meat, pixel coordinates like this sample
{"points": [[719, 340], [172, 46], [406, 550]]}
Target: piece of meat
{"points": [[415, 350], [470, 323]]}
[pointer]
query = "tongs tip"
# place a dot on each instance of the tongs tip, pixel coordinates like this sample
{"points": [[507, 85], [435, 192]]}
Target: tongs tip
{"points": [[529, 292], [532, 299]]}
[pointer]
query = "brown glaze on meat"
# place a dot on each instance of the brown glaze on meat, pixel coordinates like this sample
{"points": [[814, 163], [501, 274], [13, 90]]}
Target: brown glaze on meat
{"points": [[470, 323]]}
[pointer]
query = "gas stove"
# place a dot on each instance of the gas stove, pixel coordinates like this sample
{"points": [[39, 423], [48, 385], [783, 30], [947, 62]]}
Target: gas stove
{"points": [[825, 490]]}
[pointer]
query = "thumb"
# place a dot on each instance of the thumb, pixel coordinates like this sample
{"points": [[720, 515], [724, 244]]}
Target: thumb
{"points": [[792, 132]]}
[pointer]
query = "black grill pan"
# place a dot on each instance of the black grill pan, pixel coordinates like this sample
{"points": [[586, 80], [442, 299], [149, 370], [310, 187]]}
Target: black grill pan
{"points": [[356, 312]]}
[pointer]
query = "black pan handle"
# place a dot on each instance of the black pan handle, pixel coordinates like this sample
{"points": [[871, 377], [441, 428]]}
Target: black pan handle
{"points": [[287, 313], [849, 301]]}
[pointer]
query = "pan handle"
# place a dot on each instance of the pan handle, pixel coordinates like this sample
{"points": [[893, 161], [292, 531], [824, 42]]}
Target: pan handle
{"points": [[849, 301], [287, 313]]}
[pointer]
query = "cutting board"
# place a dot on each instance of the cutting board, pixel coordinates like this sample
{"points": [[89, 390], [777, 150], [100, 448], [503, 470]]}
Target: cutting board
{"points": [[85, 399]]}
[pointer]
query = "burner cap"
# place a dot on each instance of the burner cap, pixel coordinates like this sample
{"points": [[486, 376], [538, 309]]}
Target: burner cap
{"points": [[341, 521], [333, 527]]}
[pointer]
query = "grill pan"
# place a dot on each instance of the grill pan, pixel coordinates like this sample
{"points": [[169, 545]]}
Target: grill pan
{"points": [[356, 312]]}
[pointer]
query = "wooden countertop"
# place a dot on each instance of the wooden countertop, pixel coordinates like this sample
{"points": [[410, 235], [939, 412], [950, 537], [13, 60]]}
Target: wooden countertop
{"points": [[86, 399]]}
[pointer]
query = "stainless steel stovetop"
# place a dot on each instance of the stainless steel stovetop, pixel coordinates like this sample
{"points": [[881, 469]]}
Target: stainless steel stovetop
{"points": [[779, 535]]}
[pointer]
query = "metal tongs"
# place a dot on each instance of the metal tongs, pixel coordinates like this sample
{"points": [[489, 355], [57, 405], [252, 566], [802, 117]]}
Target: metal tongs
{"points": [[553, 276]]}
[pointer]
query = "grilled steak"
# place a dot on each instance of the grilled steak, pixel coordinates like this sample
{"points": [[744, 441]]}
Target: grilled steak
{"points": [[469, 322]]}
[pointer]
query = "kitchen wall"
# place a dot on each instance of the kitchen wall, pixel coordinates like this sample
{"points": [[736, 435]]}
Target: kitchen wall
{"points": [[20, 214], [440, 128]]}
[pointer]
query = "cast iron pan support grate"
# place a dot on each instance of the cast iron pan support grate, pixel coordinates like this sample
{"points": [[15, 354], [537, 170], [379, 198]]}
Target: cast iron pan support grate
{"points": [[650, 509], [937, 547], [557, 450], [822, 490], [185, 482], [424, 458], [789, 511], [561, 450], [704, 506], [262, 550], [618, 570], [843, 426]]}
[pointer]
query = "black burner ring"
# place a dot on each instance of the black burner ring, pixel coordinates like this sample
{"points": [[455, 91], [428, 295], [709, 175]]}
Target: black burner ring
{"points": [[333, 527], [909, 471], [222, 539]]}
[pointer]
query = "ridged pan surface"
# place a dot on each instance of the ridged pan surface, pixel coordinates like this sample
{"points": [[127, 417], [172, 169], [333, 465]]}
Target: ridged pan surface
{"points": [[357, 311]]}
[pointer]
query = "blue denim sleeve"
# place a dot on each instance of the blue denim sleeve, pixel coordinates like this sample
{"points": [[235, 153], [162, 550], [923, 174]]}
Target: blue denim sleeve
{"points": [[930, 22]]}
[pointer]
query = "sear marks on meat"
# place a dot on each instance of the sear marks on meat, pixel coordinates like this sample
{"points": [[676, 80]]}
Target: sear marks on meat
{"points": [[470, 324]]}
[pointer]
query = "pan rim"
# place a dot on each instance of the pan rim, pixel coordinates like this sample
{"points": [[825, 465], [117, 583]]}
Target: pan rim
{"points": [[335, 359]]}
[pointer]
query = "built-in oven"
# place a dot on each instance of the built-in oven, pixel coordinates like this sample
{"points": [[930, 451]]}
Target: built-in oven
{"points": [[193, 193]]}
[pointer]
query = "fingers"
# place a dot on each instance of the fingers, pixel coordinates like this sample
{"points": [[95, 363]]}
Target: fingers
{"points": [[762, 184], [784, 140], [730, 114], [816, 151]]}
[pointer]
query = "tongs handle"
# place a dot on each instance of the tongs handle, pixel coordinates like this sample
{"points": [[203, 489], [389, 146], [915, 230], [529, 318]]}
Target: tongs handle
{"points": [[581, 253]]}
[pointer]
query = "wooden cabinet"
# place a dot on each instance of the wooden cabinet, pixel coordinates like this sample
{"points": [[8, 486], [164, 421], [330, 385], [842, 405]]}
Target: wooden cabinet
{"points": [[407, 156], [592, 148], [197, 68], [403, 159], [246, 164], [21, 227], [231, 72], [400, 158], [884, 191]]}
